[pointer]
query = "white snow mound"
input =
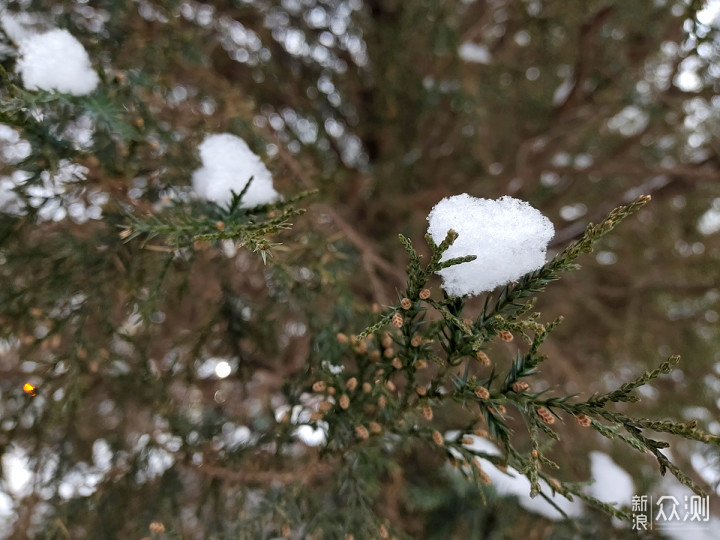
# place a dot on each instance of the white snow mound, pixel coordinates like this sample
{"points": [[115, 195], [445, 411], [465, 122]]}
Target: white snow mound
{"points": [[56, 61], [508, 236], [228, 164]]}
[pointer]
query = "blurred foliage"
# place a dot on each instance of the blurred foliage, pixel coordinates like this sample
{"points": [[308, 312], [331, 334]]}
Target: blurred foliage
{"points": [[385, 107]]}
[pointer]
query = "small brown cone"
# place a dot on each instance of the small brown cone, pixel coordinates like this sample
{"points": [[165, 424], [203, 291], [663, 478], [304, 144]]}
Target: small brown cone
{"points": [[482, 392], [344, 401], [397, 320], [427, 413], [583, 420]]}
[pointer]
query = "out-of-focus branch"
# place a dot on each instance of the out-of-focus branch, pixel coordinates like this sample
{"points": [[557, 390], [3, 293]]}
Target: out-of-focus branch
{"points": [[372, 262], [303, 474], [650, 187], [585, 52]]}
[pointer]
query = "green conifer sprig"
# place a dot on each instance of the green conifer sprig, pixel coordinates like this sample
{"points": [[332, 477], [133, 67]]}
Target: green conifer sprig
{"points": [[525, 365], [624, 393], [595, 409], [182, 225], [535, 282]]}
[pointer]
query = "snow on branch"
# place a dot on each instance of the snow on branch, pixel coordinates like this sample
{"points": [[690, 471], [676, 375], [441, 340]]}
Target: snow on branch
{"points": [[508, 237], [56, 61]]}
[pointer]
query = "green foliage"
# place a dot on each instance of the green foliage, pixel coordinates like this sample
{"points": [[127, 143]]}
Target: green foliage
{"points": [[480, 397], [247, 227]]}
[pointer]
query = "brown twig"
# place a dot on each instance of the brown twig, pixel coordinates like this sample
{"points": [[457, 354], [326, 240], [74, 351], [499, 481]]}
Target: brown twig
{"points": [[586, 35]]}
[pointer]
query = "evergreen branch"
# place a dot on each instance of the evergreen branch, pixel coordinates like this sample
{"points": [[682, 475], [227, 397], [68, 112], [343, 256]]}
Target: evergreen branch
{"points": [[686, 430], [455, 261], [237, 198], [624, 393], [597, 503], [382, 321], [182, 228], [448, 241], [667, 465], [526, 365], [414, 270], [454, 320], [536, 281]]}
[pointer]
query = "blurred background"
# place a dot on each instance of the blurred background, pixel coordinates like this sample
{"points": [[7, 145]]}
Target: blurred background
{"points": [[145, 363]]}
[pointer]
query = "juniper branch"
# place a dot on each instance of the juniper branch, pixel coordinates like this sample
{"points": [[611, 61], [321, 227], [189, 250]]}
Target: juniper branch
{"points": [[624, 393], [536, 281]]}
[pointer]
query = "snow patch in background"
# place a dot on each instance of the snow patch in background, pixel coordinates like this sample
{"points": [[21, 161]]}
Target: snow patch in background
{"points": [[669, 486], [313, 436], [611, 483], [709, 222], [16, 25], [310, 434], [215, 367], [13, 149], [563, 91], [227, 165], [472, 52], [56, 61], [235, 436], [102, 455], [15, 483], [17, 475], [508, 236], [707, 469], [7, 515], [512, 483], [709, 15], [630, 121]]}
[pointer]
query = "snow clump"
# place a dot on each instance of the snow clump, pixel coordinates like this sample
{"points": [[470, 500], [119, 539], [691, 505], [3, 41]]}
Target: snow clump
{"points": [[508, 236], [228, 164], [56, 61]]}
